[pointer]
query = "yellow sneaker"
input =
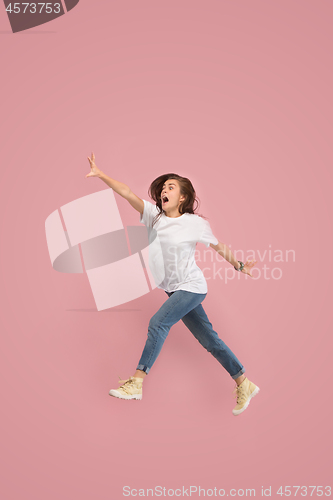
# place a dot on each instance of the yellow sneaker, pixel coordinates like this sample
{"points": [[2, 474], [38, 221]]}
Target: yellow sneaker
{"points": [[244, 392], [130, 389]]}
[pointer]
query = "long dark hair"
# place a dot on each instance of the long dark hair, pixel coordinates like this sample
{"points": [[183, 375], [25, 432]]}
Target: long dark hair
{"points": [[186, 189]]}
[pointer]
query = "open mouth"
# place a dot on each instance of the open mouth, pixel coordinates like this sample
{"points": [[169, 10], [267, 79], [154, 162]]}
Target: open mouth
{"points": [[165, 200]]}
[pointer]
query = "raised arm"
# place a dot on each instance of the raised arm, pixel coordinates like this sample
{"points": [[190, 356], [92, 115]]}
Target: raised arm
{"points": [[117, 186]]}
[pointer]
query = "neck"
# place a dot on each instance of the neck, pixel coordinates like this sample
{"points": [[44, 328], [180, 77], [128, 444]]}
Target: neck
{"points": [[172, 213]]}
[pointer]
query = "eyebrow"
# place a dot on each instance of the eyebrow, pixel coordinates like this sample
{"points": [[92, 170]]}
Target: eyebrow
{"points": [[171, 184]]}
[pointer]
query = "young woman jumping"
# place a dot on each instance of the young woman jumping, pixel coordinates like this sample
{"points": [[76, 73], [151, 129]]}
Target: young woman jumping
{"points": [[173, 232]]}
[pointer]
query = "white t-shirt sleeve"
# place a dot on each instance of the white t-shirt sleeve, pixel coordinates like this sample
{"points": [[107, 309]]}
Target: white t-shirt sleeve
{"points": [[207, 236], [149, 212]]}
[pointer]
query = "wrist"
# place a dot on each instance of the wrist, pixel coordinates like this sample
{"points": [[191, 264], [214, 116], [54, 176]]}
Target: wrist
{"points": [[240, 266]]}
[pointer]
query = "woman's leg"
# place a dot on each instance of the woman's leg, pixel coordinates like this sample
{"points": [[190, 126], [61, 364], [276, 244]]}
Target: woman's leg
{"points": [[174, 309], [198, 323], [187, 307]]}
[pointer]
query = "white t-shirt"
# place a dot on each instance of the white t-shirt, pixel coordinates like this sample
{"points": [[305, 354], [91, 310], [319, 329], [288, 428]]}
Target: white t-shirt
{"points": [[172, 243]]}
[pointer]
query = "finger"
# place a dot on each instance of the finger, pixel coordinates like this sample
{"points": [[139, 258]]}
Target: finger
{"points": [[93, 157]]}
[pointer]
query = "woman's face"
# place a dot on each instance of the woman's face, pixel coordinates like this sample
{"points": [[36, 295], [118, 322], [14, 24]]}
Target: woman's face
{"points": [[170, 195]]}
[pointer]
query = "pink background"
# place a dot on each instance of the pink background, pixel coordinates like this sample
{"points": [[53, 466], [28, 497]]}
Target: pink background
{"points": [[237, 96]]}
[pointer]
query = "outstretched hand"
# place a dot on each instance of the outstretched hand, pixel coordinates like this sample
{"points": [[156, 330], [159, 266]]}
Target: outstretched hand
{"points": [[248, 266], [95, 172]]}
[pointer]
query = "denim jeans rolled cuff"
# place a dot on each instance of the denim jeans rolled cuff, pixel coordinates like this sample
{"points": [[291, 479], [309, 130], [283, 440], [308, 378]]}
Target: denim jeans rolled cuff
{"points": [[143, 368], [239, 373]]}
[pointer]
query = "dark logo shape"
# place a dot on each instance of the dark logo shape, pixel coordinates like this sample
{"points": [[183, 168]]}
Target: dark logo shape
{"points": [[25, 15]]}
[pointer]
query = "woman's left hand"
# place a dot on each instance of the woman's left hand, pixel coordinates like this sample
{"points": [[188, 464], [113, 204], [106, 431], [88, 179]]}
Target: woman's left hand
{"points": [[248, 266]]}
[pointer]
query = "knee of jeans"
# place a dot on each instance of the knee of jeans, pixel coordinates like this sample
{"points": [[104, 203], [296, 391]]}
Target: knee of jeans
{"points": [[217, 348], [155, 322], [212, 346], [152, 322], [207, 345], [156, 329]]}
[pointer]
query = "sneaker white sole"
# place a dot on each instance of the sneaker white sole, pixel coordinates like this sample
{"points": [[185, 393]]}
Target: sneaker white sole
{"points": [[117, 394], [254, 393]]}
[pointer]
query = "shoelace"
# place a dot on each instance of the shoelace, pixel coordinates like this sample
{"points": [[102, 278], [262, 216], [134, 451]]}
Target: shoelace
{"points": [[239, 393], [126, 384]]}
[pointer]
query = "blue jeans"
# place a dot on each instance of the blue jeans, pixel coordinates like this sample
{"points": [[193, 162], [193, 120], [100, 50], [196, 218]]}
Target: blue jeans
{"points": [[187, 307]]}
